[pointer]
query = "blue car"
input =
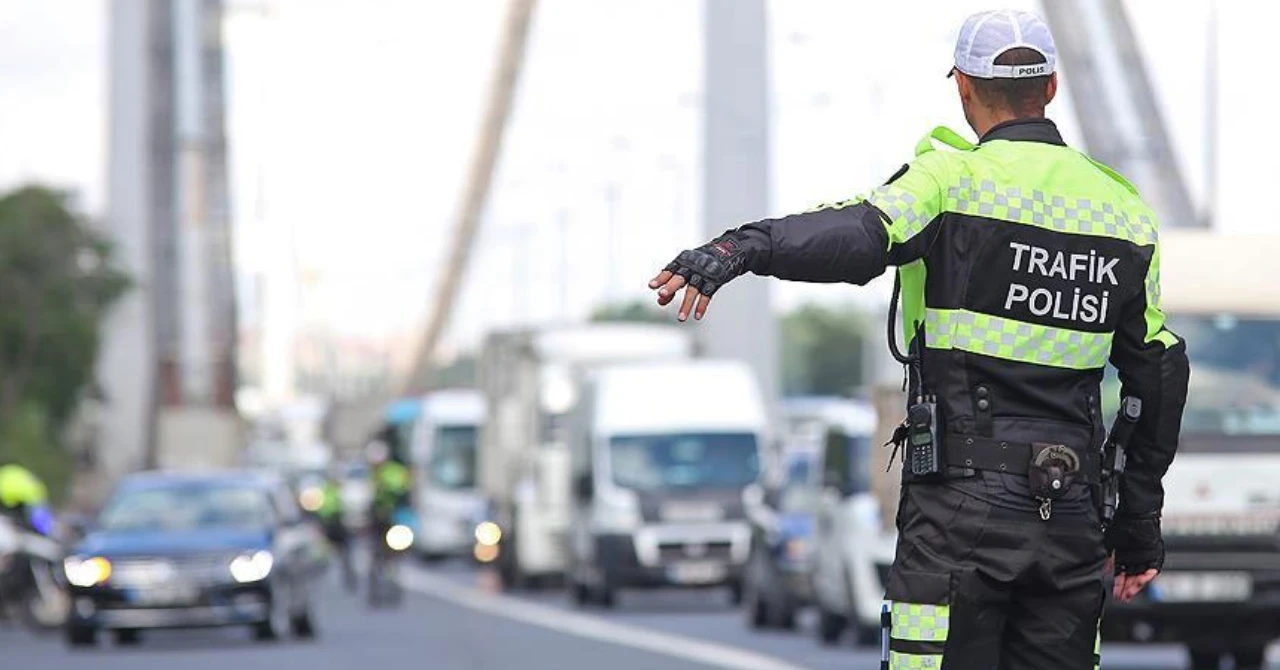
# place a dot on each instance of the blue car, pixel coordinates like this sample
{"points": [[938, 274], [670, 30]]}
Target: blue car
{"points": [[778, 580], [195, 550]]}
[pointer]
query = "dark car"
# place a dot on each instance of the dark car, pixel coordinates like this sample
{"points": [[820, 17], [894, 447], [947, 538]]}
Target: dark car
{"points": [[778, 580], [195, 550]]}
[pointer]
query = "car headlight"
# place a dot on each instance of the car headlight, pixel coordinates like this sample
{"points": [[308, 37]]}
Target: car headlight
{"points": [[311, 499], [488, 533], [252, 567], [399, 537], [86, 572]]}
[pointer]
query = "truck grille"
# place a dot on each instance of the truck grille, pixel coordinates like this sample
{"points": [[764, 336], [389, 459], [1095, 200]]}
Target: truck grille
{"points": [[683, 551], [1256, 543], [200, 569], [1223, 560]]}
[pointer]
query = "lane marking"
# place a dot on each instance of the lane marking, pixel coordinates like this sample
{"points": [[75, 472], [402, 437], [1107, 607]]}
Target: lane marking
{"points": [[590, 627]]}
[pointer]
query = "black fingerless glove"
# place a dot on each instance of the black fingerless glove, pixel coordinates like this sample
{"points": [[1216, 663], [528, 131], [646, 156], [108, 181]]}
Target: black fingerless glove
{"points": [[1137, 544], [711, 265]]}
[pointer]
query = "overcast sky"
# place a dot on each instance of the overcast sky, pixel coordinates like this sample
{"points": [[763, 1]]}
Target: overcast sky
{"points": [[351, 122]]}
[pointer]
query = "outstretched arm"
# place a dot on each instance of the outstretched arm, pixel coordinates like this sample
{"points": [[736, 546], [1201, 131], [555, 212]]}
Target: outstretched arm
{"points": [[849, 242]]}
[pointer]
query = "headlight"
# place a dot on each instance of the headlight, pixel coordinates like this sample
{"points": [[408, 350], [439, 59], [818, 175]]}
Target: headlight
{"points": [[399, 537], [488, 533], [485, 553], [86, 572], [252, 567], [311, 499]]}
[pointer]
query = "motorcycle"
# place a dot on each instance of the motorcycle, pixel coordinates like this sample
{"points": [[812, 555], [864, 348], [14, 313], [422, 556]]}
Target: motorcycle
{"points": [[388, 550], [31, 588]]}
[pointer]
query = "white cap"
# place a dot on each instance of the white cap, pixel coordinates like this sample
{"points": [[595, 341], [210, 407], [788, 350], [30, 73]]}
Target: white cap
{"points": [[987, 35]]}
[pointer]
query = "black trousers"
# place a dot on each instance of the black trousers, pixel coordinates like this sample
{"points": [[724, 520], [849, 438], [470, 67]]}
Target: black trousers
{"points": [[980, 585]]}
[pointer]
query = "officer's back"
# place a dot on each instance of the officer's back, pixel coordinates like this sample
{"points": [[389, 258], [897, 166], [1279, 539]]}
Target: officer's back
{"points": [[1036, 270]]}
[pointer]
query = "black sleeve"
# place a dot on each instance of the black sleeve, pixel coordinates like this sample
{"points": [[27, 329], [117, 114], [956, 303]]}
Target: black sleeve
{"points": [[847, 244], [1152, 362]]}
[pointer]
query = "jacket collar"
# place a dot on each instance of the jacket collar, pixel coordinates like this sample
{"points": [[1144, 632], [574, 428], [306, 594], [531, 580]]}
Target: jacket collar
{"points": [[1025, 130]]}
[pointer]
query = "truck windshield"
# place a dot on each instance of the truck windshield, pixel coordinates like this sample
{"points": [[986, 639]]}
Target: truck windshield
{"points": [[453, 457], [685, 460], [1235, 374]]}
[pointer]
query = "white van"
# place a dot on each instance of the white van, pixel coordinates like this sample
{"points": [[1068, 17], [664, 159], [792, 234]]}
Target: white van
{"points": [[531, 381], [443, 450], [658, 484]]}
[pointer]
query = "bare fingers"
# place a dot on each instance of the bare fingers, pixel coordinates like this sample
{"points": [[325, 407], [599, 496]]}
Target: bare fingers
{"points": [[660, 279], [691, 296], [701, 309], [1128, 586], [667, 291]]}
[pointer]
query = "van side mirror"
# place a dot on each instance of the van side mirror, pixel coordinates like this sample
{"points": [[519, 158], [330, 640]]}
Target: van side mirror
{"points": [[754, 495], [584, 487]]}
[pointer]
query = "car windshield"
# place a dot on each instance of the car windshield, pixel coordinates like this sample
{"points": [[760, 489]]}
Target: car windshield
{"points": [[687, 460], [453, 457], [187, 507]]}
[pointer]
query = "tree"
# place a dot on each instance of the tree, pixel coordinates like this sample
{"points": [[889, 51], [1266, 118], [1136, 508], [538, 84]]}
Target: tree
{"points": [[635, 311], [822, 350], [461, 372], [57, 279]]}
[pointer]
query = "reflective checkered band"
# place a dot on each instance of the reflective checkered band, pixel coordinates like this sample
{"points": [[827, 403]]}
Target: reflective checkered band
{"points": [[907, 212], [1083, 216], [914, 661], [919, 623], [1015, 340], [1153, 286]]}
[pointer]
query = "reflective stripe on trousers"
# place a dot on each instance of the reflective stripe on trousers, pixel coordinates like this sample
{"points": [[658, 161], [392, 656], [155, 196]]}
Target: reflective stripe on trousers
{"points": [[916, 635], [907, 623]]}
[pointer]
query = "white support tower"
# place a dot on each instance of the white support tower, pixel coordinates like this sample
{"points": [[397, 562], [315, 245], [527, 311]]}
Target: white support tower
{"points": [[740, 324], [127, 360], [168, 359]]}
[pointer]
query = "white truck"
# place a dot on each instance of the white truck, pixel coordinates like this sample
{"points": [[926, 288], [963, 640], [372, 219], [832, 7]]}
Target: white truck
{"points": [[530, 382], [443, 446], [1219, 592], [658, 485]]}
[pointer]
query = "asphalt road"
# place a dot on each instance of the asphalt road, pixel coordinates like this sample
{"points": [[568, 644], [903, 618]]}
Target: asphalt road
{"points": [[453, 620]]}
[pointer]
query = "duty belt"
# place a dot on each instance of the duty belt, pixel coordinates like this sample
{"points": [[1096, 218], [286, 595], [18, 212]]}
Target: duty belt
{"points": [[986, 453]]}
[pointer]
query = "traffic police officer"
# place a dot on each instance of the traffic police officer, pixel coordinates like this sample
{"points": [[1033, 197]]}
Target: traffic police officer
{"points": [[1024, 268], [391, 482], [332, 515], [23, 497]]}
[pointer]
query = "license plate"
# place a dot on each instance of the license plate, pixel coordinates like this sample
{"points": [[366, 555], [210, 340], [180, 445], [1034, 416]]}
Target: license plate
{"points": [[1174, 587], [171, 594], [697, 572]]}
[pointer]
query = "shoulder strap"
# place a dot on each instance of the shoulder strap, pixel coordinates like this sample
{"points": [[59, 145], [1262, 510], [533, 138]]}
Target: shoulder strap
{"points": [[947, 137]]}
